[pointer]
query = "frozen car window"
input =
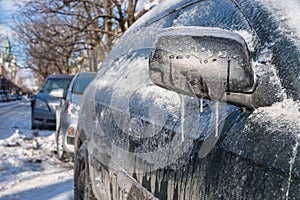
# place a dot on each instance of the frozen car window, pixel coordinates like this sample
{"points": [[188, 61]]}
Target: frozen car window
{"points": [[55, 83], [81, 83], [137, 37], [143, 37], [217, 13]]}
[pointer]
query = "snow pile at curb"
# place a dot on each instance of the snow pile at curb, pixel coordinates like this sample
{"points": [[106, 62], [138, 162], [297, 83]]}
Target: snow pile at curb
{"points": [[29, 168]]}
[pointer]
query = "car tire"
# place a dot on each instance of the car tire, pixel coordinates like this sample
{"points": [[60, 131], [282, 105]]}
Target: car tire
{"points": [[61, 155], [82, 181]]}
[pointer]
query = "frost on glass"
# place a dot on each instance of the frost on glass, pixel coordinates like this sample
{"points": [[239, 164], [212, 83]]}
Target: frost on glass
{"points": [[139, 37], [207, 14]]}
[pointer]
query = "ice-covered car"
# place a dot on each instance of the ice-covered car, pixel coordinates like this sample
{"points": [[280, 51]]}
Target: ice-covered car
{"points": [[45, 103], [197, 100], [67, 114]]}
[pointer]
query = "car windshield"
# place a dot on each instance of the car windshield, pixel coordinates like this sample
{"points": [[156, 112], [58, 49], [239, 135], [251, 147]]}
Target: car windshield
{"points": [[82, 81], [55, 83]]}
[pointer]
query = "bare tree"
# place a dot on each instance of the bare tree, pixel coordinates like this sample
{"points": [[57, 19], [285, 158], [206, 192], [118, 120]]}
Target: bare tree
{"points": [[60, 34]]}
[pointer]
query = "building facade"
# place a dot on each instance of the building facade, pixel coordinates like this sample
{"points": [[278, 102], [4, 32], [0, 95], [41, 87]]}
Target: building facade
{"points": [[7, 67]]}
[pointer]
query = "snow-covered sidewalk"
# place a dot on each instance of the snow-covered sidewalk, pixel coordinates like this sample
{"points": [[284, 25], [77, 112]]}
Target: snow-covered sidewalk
{"points": [[29, 168]]}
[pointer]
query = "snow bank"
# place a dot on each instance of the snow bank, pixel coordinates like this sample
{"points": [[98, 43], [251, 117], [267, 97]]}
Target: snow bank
{"points": [[29, 168]]}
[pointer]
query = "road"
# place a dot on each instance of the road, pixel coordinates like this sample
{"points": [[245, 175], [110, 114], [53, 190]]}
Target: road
{"points": [[29, 168], [11, 111]]}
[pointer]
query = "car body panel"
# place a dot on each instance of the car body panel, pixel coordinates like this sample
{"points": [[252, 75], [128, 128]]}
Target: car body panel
{"points": [[162, 139]]}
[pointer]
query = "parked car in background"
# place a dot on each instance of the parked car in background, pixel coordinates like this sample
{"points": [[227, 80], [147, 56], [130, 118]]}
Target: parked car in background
{"points": [[4, 97], [12, 97], [16, 97], [197, 100], [67, 114], [45, 103]]}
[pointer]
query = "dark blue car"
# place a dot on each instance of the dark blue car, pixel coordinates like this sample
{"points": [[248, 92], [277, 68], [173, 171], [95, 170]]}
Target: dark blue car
{"points": [[45, 103]]}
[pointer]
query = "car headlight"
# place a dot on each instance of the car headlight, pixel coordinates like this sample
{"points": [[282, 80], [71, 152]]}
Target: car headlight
{"points": [[39, 104]]}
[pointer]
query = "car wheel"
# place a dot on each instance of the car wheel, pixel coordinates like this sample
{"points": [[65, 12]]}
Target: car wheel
{"points": [[82, 182], [60, 146]]}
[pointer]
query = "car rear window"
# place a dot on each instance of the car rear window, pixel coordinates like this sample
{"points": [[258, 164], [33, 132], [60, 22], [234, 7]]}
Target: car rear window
{"points": [[82, 82]]}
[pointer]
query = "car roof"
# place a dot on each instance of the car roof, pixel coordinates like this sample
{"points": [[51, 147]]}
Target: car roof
{"points": [[161, 9], [60, 76], [86, 73]]}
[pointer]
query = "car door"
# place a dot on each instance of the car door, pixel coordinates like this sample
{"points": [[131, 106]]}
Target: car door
{"points": [[152, 134]]}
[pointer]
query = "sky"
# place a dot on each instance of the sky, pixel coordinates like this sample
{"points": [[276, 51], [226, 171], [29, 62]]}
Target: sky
{"points": [[7, 8]]}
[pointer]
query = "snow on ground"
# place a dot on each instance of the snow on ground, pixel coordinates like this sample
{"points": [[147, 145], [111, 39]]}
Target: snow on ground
{"points": [[29, 168]]}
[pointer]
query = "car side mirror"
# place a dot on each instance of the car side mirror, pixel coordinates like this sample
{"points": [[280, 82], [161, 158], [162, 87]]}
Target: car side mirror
{"points": [[59, 93], [204, 62]]}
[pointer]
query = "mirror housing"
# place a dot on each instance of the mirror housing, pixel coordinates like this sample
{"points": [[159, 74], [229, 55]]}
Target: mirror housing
{"points": [[204, 62], [58, 93]]}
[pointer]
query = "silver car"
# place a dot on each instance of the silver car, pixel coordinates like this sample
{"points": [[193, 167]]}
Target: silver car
{"points": [[67, 114]]}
